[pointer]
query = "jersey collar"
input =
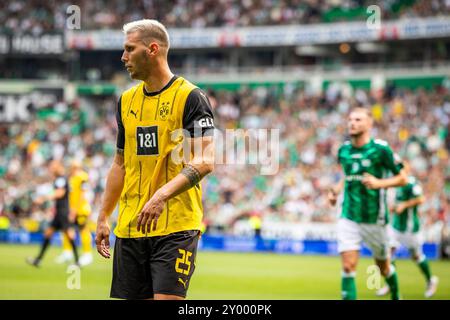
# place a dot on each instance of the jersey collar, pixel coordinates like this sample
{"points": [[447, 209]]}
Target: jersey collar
{"points": [[155, 93], [364, 146]]}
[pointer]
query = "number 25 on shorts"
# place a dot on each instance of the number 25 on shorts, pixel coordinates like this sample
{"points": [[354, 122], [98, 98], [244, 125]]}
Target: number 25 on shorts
{"points": [[185, 255]]}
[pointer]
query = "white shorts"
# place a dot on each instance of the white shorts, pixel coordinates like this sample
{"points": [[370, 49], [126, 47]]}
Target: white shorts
{"points": [[351, 234], [413, 241]]}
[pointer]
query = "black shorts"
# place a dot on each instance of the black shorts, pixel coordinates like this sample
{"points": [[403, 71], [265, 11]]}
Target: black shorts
{"points": [[60, 222], [143, 267]]}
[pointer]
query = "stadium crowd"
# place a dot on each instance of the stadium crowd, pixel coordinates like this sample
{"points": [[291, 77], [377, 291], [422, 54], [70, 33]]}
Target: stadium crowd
{"points": [[311, 128], [37, 16]]}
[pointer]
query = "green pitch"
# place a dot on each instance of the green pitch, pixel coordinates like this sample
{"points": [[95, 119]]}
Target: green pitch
{"points": [[217, 276]]}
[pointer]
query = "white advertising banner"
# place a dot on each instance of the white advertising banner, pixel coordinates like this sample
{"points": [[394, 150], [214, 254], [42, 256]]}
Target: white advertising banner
{"points": [[313, 231], [413, 28]]}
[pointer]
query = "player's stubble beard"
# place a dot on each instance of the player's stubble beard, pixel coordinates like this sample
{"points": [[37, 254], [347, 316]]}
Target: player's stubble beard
{"points": [[141, 68], [358, 136]]}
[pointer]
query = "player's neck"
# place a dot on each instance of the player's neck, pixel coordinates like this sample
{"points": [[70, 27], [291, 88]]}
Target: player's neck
{"points": [[360, 141], [158, 79]]}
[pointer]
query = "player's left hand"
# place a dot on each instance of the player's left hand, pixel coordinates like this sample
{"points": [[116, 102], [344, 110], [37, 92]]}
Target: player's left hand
{"points": [[371, 182], [148, 218]]}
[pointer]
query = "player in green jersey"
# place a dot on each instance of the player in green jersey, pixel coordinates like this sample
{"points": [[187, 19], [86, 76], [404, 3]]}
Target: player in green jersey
{"points": [[366, 164], [405, 230]]}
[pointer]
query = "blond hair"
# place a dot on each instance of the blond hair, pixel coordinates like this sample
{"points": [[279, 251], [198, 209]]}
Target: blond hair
{"points": [[149, 29], [367, 111]]}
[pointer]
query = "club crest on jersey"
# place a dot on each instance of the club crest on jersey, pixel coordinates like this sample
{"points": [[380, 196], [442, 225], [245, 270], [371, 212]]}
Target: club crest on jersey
{"points": [[163, 110], [366, 163]]}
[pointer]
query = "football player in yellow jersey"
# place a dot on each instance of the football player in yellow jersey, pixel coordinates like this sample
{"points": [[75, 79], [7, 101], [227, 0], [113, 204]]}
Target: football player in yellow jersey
{"points": [[80, 212], [60, 221], [164, 148]]}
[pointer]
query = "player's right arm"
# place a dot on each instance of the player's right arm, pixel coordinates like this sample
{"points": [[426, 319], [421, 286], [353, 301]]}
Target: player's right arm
{"points": [[59, 192], [334, 192], [113, 190], [402, 206], [114, 186], [417, 199], [393, 163]]}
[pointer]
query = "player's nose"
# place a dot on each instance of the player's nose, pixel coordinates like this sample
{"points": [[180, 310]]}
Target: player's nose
{"points": [[124, 57]]}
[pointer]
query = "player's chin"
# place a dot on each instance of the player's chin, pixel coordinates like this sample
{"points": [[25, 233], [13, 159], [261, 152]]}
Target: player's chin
{"points": [[132, 75]]}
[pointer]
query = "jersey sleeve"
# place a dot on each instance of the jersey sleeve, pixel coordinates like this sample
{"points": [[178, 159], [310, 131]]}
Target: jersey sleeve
{"points": [[120, 128], [198, 118], [416, 190], [339, 154], [84, 185], [392, 161], [60, 183]]}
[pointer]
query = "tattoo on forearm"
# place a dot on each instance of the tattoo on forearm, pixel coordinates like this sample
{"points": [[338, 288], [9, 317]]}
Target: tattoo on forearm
{"points": [[192, 174]]}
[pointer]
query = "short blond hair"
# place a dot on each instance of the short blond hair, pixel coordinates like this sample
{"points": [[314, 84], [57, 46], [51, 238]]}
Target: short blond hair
{"points": [[365, 110], [149, 29]]}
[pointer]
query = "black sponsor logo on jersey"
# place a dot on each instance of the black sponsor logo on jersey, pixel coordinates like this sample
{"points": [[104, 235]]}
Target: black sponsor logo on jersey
{"points": [[147, 141]]}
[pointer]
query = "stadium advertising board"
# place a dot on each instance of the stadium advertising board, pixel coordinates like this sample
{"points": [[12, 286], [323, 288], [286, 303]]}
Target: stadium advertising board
{"points": [[26, 44], [273, 35], [20, 107], [243, 244], [289, 246], [4, 44], [308, 231], [344, 32]]}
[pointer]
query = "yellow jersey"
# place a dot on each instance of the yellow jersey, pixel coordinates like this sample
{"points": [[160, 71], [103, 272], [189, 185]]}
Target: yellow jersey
{"points": [[77, 195], [149, 135]]}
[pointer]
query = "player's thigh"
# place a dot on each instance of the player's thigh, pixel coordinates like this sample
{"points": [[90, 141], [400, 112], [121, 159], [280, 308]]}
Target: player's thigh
{"points": [[414, 242], [376, 238], [348, 236], [69, 229], [50, 231], [131, 269], [69, 233], [81, 222], [173, 262], [394, 241]]}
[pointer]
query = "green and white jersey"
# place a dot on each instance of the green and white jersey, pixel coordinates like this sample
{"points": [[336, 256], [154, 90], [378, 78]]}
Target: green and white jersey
{"points": [[408, 220], [361, 204]]}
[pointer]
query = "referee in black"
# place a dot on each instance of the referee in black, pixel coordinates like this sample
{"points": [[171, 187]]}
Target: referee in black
{"points": [[62, 212]]}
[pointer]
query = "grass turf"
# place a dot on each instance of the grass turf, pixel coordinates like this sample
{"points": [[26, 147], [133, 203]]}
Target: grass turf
{"points": [[218, 275]]}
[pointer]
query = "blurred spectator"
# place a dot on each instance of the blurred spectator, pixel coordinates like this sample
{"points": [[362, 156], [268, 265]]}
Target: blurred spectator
{"points": [[37, 16], [311, 129]]}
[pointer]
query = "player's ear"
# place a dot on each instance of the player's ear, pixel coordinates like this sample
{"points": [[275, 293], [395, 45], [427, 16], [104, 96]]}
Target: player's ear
{"points": [[153, 49], [370, 120]]}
